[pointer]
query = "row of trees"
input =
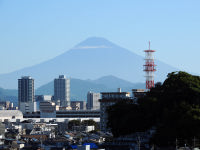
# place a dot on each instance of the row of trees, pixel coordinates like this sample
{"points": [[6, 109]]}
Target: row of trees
{"points": [[172, 107]]}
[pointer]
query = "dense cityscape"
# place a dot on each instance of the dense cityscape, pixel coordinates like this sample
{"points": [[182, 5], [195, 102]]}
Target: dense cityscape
{"points": [[53, 122]]}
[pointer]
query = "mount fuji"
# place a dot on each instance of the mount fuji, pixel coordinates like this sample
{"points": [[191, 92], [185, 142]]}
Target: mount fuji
{"points": [[91, 59]]}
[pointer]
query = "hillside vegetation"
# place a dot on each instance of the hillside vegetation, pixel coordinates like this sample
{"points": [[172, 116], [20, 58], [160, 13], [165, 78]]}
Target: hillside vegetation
{"points": [[172, 107]]}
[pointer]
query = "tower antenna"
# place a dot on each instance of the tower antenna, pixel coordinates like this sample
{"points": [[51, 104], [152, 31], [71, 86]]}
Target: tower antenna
{"points": [[149, 45], [149, 67]]}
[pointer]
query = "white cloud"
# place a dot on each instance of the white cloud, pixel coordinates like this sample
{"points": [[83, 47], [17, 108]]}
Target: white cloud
{"points": [[92, 47]]}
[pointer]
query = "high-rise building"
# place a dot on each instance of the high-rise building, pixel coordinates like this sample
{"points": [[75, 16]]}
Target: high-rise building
{"points": [[62, 90], [93, 101], [25, 90]]}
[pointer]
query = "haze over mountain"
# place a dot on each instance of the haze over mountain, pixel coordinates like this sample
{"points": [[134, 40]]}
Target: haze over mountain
{"points": [[91, 59], [78, 88]]}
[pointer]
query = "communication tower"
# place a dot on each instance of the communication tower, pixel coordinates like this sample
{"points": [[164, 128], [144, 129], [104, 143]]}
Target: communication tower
{"points": [[149, 67]]}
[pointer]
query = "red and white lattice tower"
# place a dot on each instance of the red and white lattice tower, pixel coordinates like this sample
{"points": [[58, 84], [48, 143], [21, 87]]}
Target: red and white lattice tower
{"points": [[149, 68]]}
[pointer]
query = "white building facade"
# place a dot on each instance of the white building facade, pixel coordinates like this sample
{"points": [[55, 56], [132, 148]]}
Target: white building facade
{"points": [[28, 107], [10, 115]]}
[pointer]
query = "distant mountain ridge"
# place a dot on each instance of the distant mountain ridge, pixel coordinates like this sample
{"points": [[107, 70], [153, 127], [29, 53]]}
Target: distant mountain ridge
{"points": [[8, 95], [79, 88], [93, 58], [113, 82]]}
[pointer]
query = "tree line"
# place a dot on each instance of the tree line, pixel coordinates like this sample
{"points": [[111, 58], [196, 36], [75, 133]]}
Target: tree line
{"points": [[172, 107]]}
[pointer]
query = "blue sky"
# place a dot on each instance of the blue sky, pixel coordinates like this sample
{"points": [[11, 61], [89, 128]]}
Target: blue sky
{"points": [[32, 31]]}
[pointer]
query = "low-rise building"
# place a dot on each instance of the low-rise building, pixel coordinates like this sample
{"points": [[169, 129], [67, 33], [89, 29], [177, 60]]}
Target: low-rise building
{"points": [[78, 114], [41, 98], [78, 105], [138, 93], [28, 107], [64, 107], [5, 104], [8, 115], [48, 109]]}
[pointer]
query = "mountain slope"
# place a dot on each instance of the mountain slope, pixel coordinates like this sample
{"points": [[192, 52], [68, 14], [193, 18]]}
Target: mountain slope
{"points": [[113, 82], [79, 88], [92, 58], [8, 94]]}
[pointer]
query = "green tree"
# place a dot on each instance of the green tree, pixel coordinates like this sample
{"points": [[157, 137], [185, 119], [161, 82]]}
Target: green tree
{"points": [[173, 107], [72, 123]]}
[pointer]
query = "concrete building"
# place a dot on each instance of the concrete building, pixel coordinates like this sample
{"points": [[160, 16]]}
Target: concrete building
{"points": [[62, 90], [40, 98], [109, 99], [78, 105], [93, 101], [138, 93], [64, 108], [65, 114], [78, 114], [48, 109], [25, 90], [28, 107], [10, 115]]}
